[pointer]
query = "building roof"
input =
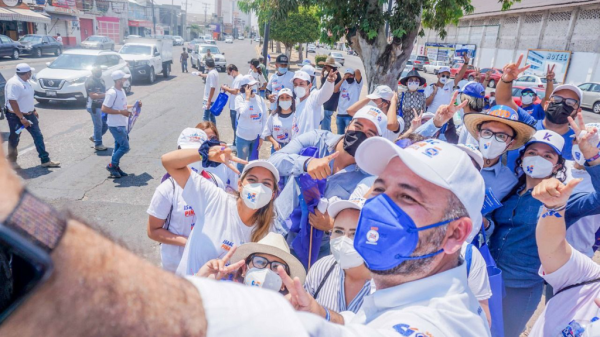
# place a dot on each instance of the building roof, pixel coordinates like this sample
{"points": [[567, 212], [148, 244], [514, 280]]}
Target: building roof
{"points": [[494, 7]]}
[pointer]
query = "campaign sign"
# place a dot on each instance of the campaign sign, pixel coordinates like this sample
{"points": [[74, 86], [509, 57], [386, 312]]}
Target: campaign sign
{"points": [[540, 59], [135, 113]]}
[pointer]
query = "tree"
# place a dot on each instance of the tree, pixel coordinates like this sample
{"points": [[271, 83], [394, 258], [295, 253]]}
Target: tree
{"points": [[299, 26], [363, 22]]}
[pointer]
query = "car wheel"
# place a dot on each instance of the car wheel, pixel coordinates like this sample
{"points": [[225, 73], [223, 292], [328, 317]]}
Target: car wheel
{"points": [[596, 108], [15, 54], [57, 52], [42, 101], [152, 76], [38, 53], [492, 84], [166, 70], [471, 77]]}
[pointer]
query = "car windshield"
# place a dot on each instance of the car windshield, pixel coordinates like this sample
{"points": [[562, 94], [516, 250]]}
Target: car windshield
{"points": [[136, 50], [31, 38], [213, 50], [94, 38], [73, 62], [545, 80], [336, 55]]}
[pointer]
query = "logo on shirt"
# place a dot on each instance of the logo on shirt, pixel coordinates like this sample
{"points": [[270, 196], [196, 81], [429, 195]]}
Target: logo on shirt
{"points": [[276, 128], [373, 236], [255, 116], [226, 245], [282, 136], [188, 211]]}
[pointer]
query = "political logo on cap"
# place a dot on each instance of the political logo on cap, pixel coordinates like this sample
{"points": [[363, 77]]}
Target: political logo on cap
{"points": [[444, 70], [285, 91], [372, 114], [118, 74], [383, 92], [191, 138], [473, 89], [551, 138], [24, 68], [301, 75], [283, 59]]}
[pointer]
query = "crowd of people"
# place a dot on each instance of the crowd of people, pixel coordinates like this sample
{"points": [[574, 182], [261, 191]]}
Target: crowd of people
{"points": [[432, 211]]}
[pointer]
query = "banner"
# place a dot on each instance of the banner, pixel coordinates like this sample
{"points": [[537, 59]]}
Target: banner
{"points": [[135, 113], [540, 59], [448, 52]]}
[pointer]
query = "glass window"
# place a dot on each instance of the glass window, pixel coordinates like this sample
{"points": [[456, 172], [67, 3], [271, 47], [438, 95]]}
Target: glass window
{"points": [[585, 86], [5, 39], [101, 60], [74, 62], [596, 88]]}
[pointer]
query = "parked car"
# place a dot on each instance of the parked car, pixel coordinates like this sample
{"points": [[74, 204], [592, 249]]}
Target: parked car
{"points": [[192, 44], [8, 47], [434, 66], [98, 42], [209, 40], [516, 94], [229, 39], [199, 52], [37, 45], [419, 61], [338, 57], [2, 85], [64, 78], [495, 75], [311, 48], [130, 37], [148, 57], [591, 96], [241, 37], [531, 81], [456, 68], [178, 40]]}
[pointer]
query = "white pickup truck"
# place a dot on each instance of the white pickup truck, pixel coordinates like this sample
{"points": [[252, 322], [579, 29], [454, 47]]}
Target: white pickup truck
{"points": [[147, 57]]}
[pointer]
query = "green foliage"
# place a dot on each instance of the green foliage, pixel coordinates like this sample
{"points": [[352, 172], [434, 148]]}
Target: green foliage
{"points": [[300, 26], [320, 58]]}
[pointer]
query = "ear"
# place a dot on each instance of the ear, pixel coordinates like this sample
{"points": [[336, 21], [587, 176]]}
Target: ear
{"points": [[240, 185], [457, 233]]}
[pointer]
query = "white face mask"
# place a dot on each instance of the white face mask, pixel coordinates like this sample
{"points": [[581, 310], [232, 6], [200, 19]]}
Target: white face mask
{"points": [[263, 278], [256, 195], [443, 80], [527, 99], [412, 86], [537, 167], [300, 92], [577, 155], [344, 253], [285, 104], [491, 148]]}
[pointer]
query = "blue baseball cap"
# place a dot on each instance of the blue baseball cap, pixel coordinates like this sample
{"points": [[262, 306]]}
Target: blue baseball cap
{"points": [[528, 90], [473, 89], [550, 138]]}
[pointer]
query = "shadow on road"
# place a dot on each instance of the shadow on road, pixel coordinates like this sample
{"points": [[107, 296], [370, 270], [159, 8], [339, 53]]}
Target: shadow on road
{"points": [[4, 136], [133, 180], [33, 172], [60, 105]]}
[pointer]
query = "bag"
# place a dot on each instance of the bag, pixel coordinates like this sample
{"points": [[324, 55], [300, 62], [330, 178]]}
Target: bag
{"points": [[217, 107]]}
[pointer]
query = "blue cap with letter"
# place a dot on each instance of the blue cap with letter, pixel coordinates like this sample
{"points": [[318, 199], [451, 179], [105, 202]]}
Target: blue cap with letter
{"points": [[473, 89]]}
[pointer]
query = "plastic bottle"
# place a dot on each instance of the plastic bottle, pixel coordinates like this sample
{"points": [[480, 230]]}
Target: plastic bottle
{"points": [[19, 130], [582, 328]]}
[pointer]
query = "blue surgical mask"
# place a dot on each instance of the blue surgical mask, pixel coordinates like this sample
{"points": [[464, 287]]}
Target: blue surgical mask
{"points": [[386, 236], [282, 70]]}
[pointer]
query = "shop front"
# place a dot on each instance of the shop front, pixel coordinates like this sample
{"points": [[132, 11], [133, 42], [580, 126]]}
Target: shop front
{"points": [[140, 27], [64, 21], [109, 26], [16, 19]]}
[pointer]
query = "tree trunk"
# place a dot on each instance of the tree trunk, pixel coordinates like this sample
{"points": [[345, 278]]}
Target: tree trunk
{"points": [[288, 50], [383, 61], [278, 47], [300, 52]]}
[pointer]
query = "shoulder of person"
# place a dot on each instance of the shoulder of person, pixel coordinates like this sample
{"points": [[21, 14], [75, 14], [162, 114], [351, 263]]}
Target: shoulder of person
{"points": [[412, 319]]}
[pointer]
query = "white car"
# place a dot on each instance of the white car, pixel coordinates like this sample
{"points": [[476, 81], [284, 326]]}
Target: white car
{"points": [[531, 81], [199, 52], [64, 79], [241, 37], [311, 48], [434, 67], [229, 39]]}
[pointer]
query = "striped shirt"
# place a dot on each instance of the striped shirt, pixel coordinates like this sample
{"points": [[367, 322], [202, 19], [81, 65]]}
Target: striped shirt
{"points": [[332, 292]]}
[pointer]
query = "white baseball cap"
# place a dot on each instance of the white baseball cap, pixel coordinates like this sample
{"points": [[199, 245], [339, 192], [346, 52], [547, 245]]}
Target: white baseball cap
{"points": [[571, 87], [286, 91], [556, 141], [23, 68], [310, 70], [349, 71], [262, 163], [191, 138], [306, 62], [339, 205], [473, 152], [248, 79], [301, 75], [382, 91], [444, 70], [435, 161], [373, 114], [118, 74]]}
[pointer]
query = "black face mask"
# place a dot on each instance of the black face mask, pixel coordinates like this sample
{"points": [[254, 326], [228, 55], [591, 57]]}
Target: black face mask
{"points": [[350, 80], [558, 113], [352, 139]]}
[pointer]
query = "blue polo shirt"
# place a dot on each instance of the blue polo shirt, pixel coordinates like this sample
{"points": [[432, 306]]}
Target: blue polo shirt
{"points": [[535, 110], [500, 179]]}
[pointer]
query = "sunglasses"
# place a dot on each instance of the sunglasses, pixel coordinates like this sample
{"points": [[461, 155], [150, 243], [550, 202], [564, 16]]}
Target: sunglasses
{"points": [[444, 76], [528, 94], [262, 263], [500, 136], [568, 101]]}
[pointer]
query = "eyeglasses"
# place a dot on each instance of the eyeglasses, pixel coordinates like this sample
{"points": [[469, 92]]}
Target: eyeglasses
{"points": [[336, 233], [445, 76], [262, 263], [528, 94], [568, 101], [500, 136]]}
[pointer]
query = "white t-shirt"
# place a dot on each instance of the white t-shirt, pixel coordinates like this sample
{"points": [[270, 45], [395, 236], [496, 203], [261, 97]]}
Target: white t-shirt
{"points": [[218, 224], [59, 39], [349, 94], [391, 135], [443, 96], [259, 78], [234, 85], [572, 304], [181, 223], [283, 129], [21, 91], [117, 100], [278, 82], [310, 111], [252, 116], [478, 279], [212, 81], [582, 234], [363, 187], [225, 175]]}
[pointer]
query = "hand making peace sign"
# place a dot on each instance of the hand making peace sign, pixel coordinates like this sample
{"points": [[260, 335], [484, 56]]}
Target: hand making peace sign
{"points": [[512, 71], [222, 154], [445, 112], [217, 269], [550, 73], [584, 134]]}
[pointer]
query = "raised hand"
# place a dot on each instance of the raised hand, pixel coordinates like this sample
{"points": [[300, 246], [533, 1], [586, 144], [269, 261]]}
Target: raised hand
{"points": [[488, 74], [550, 73], [445, 112], [416, 122], [332, 76], [584, 134], [298, 297], [512, 71], [222, 154], [552, 193], [466, 58], [217, 269], [321, 221], [318, 168]]}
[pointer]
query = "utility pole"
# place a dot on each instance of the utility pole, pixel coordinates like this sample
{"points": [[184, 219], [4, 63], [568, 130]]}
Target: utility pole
{"points": [[266, 42], [205, 10], [153, 16], [172, 17]]}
